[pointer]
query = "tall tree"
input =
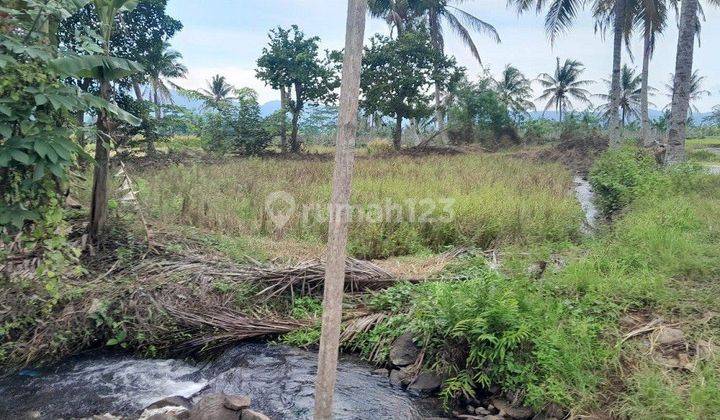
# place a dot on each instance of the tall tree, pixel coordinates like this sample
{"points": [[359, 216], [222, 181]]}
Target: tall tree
{"points": [[107, 10], [564, 86], [651, 18], [682, 83], [163, 63], [630, 96], [339, 211], [613, 13], [293, 62], [398, 75], [440, 14], [514, 91]]}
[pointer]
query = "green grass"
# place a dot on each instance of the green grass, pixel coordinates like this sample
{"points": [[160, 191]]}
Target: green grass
{"points": [[558, 339], [495, 200]]}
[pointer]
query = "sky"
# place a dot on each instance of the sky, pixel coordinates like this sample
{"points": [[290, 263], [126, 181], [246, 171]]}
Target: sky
{"points": [[227, 36]]}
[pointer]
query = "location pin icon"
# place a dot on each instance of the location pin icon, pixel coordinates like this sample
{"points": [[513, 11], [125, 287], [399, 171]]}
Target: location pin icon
{"points": [[280, 206]]}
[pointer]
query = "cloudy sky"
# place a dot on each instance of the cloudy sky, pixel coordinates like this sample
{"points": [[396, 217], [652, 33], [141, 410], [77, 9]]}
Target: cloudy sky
{"points": [[226, 37]]}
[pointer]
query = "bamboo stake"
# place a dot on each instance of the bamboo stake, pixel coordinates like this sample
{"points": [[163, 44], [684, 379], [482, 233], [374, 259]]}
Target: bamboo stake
{"points": [[339, 207]]}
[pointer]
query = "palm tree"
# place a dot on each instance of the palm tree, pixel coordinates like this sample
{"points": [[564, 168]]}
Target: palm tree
{"points": [[695, 92], [564, 86], [630, 96], [218, 91], [164, 63], [651, 18], [437, 14], [559, 18], [683, 80], [514, 90], [442, 14]]}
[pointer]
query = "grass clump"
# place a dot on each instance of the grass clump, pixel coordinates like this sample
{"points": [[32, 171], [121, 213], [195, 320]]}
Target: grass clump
{"points": [[401, 205], [620, 175]]}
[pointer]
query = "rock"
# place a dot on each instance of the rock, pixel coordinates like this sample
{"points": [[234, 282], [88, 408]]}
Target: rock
{"points": [[669, 336], [426, 383], [381, 372], [482, 411], [470, 409], [553, 410], [212, 407], [165, 413], [174, 401], [248, 414], [404, 351], [400, 378], [507, 409], [236, 402]]}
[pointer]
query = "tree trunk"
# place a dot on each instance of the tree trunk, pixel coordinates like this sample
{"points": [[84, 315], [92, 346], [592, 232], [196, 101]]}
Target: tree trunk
{"points": [[339, 209], [138, 91], [294, 143], [645, 133], [99, 205], [619, 19], [681, 84], [397, 133], [415, 131], [283, 119], [440, 115]]}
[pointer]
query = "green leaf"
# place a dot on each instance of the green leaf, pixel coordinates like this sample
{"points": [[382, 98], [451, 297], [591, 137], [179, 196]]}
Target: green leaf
{"points": [[97, 67], [20, 156], [123, 115], [39, 172], [40, 100], [5, 131], [41, 148], [6, 110]]}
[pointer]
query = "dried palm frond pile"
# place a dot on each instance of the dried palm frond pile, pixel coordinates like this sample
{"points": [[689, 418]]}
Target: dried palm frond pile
{"points": [[302, 279]]}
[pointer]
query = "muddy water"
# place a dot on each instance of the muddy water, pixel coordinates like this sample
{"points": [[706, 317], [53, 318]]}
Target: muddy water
{"points": [[279, 379]]}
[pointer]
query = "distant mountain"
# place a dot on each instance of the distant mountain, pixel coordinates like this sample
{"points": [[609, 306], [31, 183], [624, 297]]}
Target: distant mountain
{"points": [[269, 108], [180, 100], [654, 114]]}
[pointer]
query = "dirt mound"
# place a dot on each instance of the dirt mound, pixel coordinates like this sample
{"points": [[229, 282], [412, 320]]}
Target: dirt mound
{"points": [[576, 150]]}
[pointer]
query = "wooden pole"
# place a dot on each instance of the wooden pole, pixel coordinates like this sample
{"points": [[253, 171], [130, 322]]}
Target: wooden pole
{"points": [[339, 208]]}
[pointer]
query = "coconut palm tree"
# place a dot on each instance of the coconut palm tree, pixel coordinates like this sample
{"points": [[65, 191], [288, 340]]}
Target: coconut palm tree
{"points": [[514, 91], [163, 64], [218, 91], [630, 96], [683, 79], [695, 91], [441, 14], [651, 20], [438, 15], [609, 13], [564, 86]]}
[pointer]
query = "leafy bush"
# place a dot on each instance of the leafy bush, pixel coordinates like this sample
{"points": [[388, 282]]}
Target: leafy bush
{"points": [[620, 175], [379, 147], [236, 126]]}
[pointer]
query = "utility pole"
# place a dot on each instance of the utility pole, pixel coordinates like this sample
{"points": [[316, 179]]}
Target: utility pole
{"points": [[339, 209]]}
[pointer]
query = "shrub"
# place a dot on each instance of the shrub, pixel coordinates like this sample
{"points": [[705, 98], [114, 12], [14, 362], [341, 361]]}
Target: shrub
{"points": [[621, 175], [236, 126], [379, 147]]}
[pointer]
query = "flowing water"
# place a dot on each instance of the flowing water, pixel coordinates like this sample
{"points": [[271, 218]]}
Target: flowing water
{"points": [[279, 379], [584, 194]]}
